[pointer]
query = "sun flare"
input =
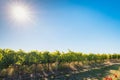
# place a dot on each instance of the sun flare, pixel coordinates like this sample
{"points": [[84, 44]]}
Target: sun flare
{"points": [[20, 13]]}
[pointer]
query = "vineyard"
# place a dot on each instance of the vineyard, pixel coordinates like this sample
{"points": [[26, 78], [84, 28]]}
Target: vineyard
{"points": [[38, 65]]}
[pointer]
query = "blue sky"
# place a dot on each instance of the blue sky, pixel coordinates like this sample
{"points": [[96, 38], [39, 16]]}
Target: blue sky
{"points": [[79, 25]]}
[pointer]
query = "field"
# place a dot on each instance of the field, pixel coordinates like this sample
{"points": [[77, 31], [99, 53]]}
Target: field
{"points": [[36, 65]]}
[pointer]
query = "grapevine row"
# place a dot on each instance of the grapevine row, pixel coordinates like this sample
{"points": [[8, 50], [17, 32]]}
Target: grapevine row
{"points": [[10, 57]]}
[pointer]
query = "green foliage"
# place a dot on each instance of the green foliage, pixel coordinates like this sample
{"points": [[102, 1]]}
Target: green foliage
{"points": [[10, 57]]}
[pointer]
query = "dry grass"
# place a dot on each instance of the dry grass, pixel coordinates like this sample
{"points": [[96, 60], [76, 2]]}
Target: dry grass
{"points": [[113, 74], [82, 72]]}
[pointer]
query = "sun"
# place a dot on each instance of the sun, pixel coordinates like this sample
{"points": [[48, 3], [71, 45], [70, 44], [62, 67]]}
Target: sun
{"points": [[20, 13]]}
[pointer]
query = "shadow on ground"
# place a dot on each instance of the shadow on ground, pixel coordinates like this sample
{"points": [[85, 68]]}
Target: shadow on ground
{"points": [[93, 74]]}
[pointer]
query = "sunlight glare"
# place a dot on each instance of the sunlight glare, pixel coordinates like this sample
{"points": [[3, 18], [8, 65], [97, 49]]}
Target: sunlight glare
{"points": [[20, 13]]}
